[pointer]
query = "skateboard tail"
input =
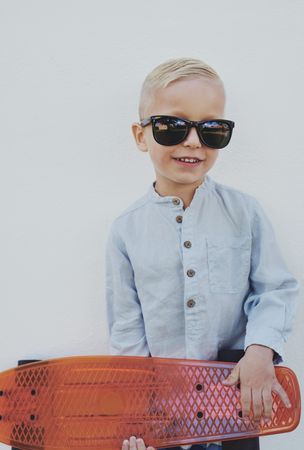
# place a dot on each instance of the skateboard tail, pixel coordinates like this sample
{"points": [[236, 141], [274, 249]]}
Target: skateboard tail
{"points": [[97, 402]]}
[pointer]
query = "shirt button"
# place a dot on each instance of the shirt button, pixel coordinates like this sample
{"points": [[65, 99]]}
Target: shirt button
{"points": [[190, 273], [187, 244], [190, 303], [179, 219], [176, 201]]}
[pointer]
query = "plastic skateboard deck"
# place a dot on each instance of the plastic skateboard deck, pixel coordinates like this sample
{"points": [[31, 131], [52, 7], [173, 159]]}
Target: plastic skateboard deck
{"points": [[96, 402]]}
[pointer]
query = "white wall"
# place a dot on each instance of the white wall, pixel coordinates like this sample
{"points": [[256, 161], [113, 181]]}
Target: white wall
{"points": [[70, 74]]}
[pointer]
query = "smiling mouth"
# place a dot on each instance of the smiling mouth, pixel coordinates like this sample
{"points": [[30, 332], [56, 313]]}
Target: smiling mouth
{"points": [[188, 160]]}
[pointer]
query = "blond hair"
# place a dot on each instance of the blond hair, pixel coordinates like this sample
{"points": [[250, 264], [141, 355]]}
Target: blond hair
{"points": [[169, 71]]}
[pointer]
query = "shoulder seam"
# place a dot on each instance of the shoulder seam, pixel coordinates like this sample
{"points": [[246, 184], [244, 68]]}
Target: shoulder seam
{"points": [[128, 210], [230, 188]]}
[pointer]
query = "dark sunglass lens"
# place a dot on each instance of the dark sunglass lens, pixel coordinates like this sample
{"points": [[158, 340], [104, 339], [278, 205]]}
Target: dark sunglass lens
{"points": [[215, 134], [169, 131]]}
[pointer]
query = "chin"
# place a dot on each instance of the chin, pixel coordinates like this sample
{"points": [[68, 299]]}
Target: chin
{"points": [[190, 180]]}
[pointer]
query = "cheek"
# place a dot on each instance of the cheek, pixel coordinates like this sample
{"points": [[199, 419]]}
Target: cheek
{"points": [[159, 154], [212, 155], [155, 154]]}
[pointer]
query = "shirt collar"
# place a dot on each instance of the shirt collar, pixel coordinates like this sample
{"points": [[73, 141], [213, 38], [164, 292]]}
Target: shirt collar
{"points": [[155, 197]]}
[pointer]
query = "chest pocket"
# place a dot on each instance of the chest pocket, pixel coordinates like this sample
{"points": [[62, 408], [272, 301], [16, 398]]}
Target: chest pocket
{"points": [[228, 263]]}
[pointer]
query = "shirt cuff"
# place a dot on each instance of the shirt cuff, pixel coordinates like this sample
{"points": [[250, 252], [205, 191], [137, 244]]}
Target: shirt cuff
{"points": [[272, 339]]}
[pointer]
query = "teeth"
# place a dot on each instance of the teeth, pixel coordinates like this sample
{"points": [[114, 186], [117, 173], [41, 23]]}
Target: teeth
{"points": [[188, 160]]}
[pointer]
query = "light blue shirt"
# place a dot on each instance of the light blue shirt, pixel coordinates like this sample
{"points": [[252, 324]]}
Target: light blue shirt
{"points": [[186, 283]]}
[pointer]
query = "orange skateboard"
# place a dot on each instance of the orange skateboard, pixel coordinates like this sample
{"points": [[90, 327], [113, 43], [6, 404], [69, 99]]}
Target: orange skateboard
{"points": [[95, 402]]}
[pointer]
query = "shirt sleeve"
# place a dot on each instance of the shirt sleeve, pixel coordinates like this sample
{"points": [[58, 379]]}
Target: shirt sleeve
{"points": [[125, 320], [270, 306]]}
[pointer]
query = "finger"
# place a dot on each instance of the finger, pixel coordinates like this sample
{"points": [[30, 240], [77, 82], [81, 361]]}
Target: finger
{"points": [[257, 404], [267, 402], [245, 400], [281, 392], [125, 445], [132, 443], [140, 444], [233, 378]]}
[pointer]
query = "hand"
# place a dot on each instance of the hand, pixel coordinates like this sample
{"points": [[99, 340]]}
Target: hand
{"points": [[135, 444], [256, 374]]}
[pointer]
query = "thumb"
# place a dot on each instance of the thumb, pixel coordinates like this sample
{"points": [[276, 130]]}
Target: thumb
{"points": [[234, 376]]}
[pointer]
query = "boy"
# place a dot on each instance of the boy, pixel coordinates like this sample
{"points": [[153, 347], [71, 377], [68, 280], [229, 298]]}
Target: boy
{"points": [[192, 267]]}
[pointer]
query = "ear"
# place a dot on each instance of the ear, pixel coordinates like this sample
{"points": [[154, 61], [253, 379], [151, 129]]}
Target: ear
{"points": [[139, 137]]}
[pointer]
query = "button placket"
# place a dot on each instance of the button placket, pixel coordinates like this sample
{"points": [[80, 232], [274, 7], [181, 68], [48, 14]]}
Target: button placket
{"points": [[188, 244], [177, 202], [189, 263]]}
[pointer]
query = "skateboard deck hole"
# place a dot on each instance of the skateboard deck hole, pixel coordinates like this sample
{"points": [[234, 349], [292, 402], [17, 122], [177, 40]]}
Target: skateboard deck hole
{"points": [[200, 415]]}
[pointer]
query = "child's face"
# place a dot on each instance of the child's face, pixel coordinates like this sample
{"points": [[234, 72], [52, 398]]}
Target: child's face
{"points": [[187, 98]]}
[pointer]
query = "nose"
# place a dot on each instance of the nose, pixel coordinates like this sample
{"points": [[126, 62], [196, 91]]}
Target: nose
{"points": [[192, 139]]}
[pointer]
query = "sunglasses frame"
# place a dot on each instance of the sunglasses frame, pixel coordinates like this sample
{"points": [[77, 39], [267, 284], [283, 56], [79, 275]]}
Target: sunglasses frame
{"points": [[189, 124]]}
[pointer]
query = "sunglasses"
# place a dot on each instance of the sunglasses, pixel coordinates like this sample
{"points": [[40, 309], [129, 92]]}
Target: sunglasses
{"points": [[170, 130]]}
